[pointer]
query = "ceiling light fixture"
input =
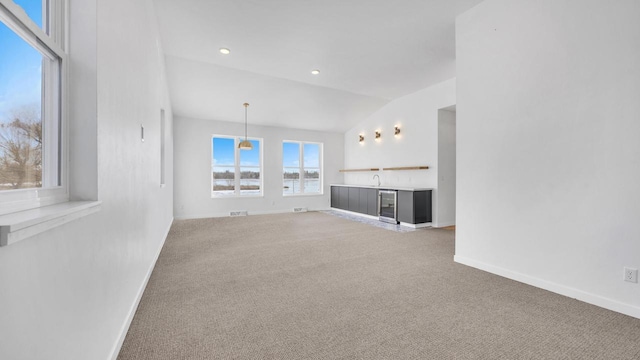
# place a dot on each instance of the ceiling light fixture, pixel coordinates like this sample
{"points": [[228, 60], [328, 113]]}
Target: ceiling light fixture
{"points": [[246, 144], [225, 51], [315, 71], [361, 138], [397, 130], [378, 134]]}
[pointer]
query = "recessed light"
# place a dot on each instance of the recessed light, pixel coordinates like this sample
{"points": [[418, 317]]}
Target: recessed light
{"points": [[225, 51], [315, 71]]}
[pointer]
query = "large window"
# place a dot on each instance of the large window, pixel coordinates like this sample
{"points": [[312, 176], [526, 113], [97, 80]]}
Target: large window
{"points": [[302, 168], [32, 62], [235, 172]]}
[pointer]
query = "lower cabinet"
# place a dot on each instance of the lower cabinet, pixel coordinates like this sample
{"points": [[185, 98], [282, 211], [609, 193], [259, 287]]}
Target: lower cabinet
{"points": [[360, 200], [340, 197], [414, 207], [354, 199], [368, 203], [335, 197], [343, 199]]}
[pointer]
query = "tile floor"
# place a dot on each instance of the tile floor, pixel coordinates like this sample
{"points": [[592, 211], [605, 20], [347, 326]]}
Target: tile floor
{"points": [[372, 222]]}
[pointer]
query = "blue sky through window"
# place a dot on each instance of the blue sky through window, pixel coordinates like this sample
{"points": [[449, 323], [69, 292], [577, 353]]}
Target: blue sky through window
{"points": [[20, 67], [33, 8], [251, 157], [223, 151], [311, 155], [290, 154]]}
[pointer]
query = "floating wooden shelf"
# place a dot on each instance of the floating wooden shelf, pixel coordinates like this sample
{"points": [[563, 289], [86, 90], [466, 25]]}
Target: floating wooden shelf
{"points": [[351, 170], [407, 168]]}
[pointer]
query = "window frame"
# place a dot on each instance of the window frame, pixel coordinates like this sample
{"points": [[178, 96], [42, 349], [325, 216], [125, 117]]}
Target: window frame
{"points": [[237, 193], [50, 42], [301, 167]]}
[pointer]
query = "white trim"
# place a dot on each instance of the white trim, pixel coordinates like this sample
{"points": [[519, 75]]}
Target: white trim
{"points": [[416, 226], [584, 296], [21, 225], [132, 311], [249, 213]]}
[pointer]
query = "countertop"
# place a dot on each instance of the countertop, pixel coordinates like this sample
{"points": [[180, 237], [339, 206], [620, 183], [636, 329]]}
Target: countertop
{"points": [[383, 187]]}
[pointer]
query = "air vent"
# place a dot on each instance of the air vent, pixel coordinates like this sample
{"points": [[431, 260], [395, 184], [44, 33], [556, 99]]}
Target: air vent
{"points": [[238, 213], [299, 209]]}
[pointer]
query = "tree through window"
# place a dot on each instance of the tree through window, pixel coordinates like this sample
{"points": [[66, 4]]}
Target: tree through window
{"points": [[30, 104]]}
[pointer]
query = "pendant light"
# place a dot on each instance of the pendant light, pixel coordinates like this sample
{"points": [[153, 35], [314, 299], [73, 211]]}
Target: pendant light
{"points": [[246, 144]]}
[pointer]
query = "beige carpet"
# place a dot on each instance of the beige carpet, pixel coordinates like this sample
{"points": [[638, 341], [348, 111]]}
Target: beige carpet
{"points": [[314, 286]]}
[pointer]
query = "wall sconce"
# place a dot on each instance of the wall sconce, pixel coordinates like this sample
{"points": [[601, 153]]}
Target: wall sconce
{"points": [[397, 131], [361, 138], [378, 134]]}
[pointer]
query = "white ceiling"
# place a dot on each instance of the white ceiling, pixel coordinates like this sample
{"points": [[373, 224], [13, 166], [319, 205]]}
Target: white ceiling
{"points": [[368, 51]]}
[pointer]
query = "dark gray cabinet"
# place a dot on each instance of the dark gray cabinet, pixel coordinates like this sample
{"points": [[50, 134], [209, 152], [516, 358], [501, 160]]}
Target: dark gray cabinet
{"points": [[372, 201], [360, 200], [335, 196], [354, 199], [343, 199], [414, 207], [340, 197]]}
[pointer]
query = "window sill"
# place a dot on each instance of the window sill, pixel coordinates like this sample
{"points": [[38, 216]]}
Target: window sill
{"points": [[21, 225]]}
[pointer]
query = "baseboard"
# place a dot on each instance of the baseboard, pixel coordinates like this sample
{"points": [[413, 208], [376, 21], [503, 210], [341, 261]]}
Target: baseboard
{"points": [[417, 226], [444, 224], [134, 306], [584, 296], [250, 213]]}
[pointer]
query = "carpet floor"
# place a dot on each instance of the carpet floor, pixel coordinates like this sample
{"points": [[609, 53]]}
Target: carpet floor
{"points": [[315, 286]]}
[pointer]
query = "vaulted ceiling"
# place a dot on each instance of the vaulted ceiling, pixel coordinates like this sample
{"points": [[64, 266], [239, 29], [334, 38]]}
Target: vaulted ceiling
{"points": [[369, 52]]}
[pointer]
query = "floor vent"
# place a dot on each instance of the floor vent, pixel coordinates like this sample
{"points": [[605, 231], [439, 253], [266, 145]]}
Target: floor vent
{"points": [[238, 213], [299, 209]]}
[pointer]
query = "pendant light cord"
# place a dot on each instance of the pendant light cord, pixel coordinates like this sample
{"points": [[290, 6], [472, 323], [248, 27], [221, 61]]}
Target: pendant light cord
{"points": [[246, 105]]}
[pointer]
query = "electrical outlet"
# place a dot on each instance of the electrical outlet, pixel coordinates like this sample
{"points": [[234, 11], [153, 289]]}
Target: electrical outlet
{"points": [[631, 275]]}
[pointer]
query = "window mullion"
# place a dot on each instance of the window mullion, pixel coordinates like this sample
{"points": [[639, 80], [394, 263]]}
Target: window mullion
{"points": [[301, 161], [236, 158]]}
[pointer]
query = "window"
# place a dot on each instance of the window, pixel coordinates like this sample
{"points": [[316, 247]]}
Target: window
{"points": [[32, 63], [235, 172], [301, 168]]}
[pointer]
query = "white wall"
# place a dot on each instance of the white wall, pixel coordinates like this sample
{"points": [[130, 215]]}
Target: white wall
{"points": [[446, 168], [68, 293], [193, 169], [417, 145], [548, 164]]}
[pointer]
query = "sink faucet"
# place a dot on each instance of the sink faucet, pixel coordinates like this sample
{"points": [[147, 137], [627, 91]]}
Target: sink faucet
{"points": [[377, 176]]}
